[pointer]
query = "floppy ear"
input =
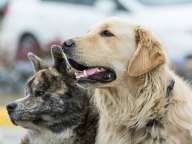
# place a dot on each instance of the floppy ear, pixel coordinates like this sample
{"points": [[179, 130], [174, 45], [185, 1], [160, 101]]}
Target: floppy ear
{"points": [[148, 54], [36, 62], [60, 60]]}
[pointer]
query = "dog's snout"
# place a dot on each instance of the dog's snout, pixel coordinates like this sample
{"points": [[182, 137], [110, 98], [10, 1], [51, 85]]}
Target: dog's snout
{"points": [[69, 43], [11, 107]]}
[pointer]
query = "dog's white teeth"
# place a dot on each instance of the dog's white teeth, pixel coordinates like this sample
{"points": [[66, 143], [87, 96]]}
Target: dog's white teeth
{"points": [[79, 75], [85, 73]]}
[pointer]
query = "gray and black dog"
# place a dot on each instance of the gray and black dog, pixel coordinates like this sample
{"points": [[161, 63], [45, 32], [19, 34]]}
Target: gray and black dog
{"points": [[55, 110]]}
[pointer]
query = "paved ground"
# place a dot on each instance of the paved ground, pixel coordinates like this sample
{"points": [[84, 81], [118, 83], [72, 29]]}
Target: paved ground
{"points": [[9, 134]]}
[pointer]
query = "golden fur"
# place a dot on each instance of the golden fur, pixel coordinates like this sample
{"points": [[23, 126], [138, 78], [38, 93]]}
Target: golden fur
{"points": [[138, 95]]}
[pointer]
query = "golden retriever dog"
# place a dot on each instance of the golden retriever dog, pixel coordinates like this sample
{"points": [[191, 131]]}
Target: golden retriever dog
{"points": [[128, 67]]}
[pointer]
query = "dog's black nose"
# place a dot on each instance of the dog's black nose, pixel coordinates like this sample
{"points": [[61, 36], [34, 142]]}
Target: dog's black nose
{"points": [[11, 107], [69, 44]]}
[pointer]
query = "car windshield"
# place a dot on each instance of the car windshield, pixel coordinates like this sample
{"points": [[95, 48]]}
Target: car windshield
{"points": [[163, 2]]}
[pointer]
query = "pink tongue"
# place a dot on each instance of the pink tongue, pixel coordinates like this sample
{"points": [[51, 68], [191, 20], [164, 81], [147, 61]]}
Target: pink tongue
{"points": [[88, 72]]}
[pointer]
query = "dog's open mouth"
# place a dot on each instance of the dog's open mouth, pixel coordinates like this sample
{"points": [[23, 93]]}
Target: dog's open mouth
{"points": [[92, 74]]}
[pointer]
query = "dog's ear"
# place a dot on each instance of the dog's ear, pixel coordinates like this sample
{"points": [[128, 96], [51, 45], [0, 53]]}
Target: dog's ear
{"points": [[148, 54], [60, 60], [36, 62]]}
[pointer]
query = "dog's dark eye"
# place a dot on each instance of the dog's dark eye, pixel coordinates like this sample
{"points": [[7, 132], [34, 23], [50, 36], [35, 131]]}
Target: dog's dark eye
{"points": [[39, 93], [106, 33]]}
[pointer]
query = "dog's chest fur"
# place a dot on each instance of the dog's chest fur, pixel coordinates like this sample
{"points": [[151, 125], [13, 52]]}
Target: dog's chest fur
{"points": [[125, 120], [109, 134]]}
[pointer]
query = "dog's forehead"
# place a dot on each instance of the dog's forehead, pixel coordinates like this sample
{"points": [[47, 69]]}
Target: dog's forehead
{"points": [[117, 25], [43, 76], [48, 79]]}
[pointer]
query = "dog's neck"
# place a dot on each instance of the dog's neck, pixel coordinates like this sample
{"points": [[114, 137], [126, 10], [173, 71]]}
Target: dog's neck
{"points": [[135, 102]]}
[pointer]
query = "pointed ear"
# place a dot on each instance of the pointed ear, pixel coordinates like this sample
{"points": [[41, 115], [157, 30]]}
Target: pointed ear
{"points": [[60, 59], [36, 62], [148, 54]]}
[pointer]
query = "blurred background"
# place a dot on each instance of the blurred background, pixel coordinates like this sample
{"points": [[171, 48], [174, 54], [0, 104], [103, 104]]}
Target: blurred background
{"points": [[34, 25]]}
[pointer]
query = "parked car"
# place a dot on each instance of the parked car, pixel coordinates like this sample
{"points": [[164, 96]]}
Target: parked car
{"points": [[33, 25]]}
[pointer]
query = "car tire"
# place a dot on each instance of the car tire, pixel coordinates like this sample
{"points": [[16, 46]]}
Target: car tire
{"points": [[27, 43]]}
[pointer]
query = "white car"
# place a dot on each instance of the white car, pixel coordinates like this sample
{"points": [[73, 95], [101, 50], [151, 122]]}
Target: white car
{"points": [[32, 25]]}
